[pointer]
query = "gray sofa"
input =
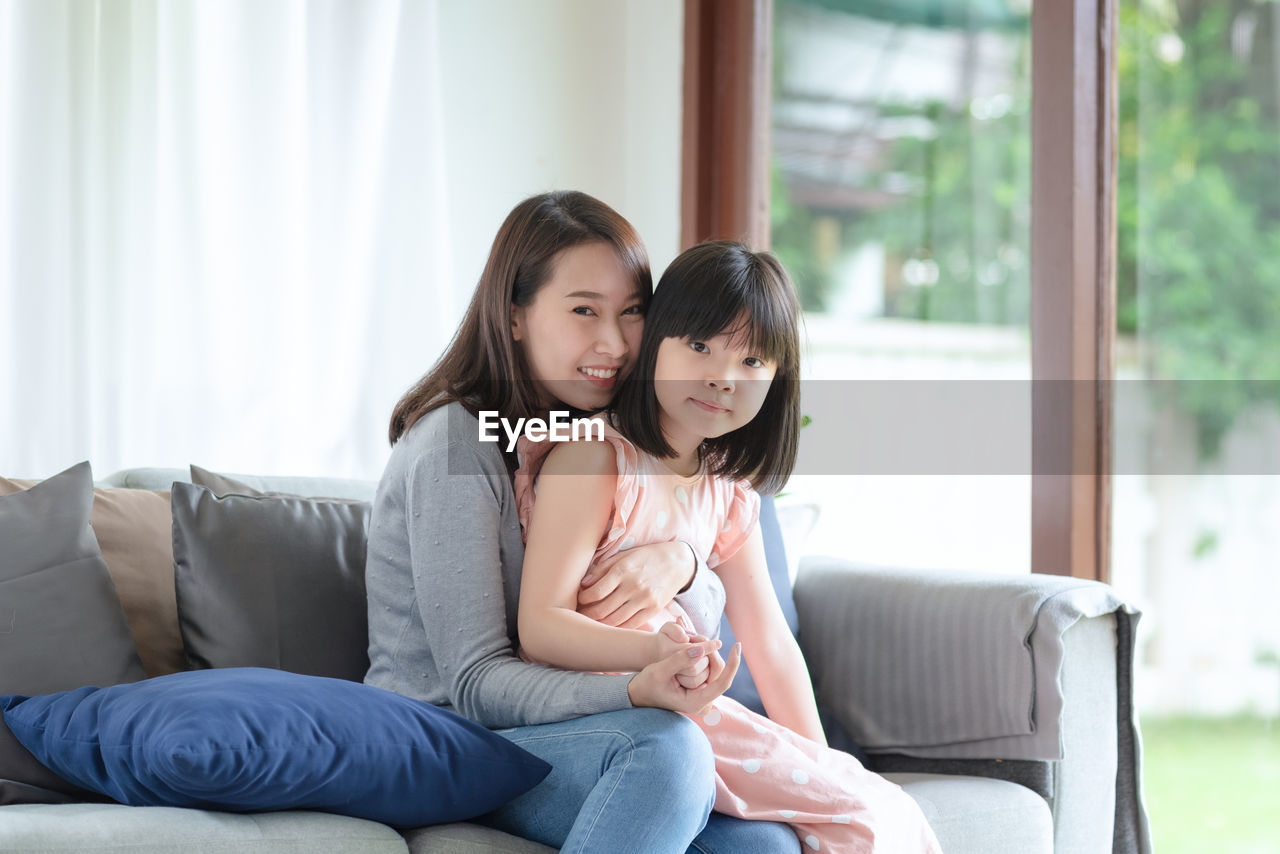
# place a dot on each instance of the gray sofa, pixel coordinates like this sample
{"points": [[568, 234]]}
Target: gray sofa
{"points": [[1001, 704]]}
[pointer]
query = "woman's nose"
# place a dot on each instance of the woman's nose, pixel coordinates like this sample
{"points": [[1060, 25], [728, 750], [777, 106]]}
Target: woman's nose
{"points": [[610, 341]]}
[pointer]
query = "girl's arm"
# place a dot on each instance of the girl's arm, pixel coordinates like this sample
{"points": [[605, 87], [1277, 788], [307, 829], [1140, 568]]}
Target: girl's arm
{"points": [[767, 643], [574, 503]]}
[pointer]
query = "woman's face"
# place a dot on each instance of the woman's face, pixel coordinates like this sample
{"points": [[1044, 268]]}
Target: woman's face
{"points": [[582, 330]]}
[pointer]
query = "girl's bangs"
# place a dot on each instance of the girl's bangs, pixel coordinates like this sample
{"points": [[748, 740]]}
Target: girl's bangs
{"points": [[765, 327]]}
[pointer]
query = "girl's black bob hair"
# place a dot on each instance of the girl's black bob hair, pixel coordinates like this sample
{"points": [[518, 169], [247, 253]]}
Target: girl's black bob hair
{"points": [[718, 287]]}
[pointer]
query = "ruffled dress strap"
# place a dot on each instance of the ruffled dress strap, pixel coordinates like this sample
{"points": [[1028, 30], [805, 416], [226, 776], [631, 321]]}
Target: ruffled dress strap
{"points": [[532, 455], [742, 512]]}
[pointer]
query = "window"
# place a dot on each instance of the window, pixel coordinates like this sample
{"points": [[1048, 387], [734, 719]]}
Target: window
{"points": [[1196, 494], [901, 188]]}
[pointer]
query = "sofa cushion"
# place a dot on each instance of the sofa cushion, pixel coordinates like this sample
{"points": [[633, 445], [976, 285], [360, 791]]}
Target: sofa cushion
{"points": [[113, 828], [271, 582], [60, 616], [251, 740], [135, 533], [973, 815], [467, 838]]}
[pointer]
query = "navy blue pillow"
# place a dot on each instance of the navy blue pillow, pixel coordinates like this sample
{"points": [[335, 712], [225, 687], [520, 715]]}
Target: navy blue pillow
{"points": [[743, 688], [255, 740]]}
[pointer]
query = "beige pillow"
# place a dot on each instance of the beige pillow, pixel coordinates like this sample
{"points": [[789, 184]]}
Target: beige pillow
{"points": [[135, 533]]}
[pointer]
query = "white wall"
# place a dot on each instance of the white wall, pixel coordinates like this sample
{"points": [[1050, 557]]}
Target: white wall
{"points": [[322, 288], [561, 94]]}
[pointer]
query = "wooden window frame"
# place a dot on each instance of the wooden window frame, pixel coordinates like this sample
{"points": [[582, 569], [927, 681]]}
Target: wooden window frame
{"points": [[725, 194]]}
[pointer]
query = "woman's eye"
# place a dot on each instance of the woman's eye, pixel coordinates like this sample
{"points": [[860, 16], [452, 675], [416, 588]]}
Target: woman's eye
{"points": [[585, 311], [634, 310], [698, 346]]}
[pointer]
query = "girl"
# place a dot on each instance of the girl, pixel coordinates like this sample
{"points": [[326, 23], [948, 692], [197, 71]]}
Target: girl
{"points": [[710, 410], [554, 323]]}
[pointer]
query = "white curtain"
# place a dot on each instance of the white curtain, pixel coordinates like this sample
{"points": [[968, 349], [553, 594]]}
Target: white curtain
{"points": [[222, 231]]}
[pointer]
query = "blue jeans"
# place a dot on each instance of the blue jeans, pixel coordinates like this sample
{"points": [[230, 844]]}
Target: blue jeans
{"points": [[725, 834], [631, 780]]}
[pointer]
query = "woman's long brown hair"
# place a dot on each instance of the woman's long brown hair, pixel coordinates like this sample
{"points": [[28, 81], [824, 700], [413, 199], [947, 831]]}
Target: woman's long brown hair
{"points": [[482, 367]]}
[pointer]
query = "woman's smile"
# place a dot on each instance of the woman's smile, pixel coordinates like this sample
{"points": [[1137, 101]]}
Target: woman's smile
{"points": [[600, 376]]}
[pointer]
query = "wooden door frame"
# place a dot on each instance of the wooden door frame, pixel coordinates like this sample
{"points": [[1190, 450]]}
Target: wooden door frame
{"points": [[727, 92]]}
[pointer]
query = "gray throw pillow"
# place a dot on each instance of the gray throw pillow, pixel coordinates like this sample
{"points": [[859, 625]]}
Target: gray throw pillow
{"points": [[221, 485], [271, 582], [61, 623]]}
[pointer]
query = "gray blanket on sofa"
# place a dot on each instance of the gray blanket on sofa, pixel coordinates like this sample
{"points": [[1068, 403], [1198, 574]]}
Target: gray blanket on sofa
{"points": [[936, 704]]}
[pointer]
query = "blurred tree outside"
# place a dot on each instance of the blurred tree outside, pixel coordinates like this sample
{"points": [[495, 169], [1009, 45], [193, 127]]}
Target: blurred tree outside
{"points": [[1198, 206]]}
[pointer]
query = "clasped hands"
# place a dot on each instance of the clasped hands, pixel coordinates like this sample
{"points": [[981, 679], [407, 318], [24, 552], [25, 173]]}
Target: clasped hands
{"points": [[688, 677], [632, 588]]}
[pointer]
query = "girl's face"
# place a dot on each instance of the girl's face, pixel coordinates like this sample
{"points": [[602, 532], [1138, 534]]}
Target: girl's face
{"points": [[582, 330], [708, 388]]}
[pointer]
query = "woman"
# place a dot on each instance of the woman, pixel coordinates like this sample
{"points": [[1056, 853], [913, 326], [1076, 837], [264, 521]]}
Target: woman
{"points": [[554, 321]]}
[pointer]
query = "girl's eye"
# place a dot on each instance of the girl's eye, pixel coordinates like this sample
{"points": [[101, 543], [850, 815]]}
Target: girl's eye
{"points": [[699, 347], [753, 362], [585, 311]]}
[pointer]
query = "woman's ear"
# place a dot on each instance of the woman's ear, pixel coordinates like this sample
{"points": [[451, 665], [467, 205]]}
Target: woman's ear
{"points": [[517, 322]]}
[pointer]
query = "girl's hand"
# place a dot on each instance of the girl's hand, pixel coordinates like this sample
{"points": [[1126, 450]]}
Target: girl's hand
{"points": [[671, 638], [700, 670], [632, 587], [656, 686], [697, 674]]}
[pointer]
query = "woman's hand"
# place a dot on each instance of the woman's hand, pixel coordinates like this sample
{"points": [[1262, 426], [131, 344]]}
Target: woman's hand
{"points": [[632, 587], [657, 686]]}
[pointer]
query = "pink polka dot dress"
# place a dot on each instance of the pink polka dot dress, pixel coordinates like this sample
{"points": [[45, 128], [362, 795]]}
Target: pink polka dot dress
{"points": [[764, 771]]}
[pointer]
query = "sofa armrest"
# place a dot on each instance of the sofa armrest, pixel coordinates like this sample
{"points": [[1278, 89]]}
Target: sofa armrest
{"points": [[960, 670]]}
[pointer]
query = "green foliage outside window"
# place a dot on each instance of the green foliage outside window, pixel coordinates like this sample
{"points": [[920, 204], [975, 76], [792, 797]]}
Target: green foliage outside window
{"points": [[1198, 217]]}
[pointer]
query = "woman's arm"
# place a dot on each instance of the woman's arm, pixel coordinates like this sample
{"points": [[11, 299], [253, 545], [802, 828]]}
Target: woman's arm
{"points": [[767, 643], [444, 560], [633, 587], [576, 488], [463, 538]]}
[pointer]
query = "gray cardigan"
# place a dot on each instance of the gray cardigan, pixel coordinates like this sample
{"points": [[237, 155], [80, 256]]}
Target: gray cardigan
{"points": [[443, 579]]}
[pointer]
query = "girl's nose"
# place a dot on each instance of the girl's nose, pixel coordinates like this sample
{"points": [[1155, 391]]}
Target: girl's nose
{"points": [[724, 384]]}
